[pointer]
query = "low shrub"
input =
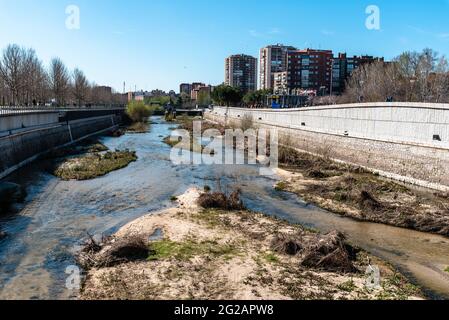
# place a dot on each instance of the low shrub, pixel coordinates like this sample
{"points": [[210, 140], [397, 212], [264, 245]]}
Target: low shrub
{"points": [[219, 200], [138, 111]]}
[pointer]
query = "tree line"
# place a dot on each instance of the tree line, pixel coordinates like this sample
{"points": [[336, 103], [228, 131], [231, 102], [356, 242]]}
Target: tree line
{"points": [[231, 96], [25, 81], [410, 77]]}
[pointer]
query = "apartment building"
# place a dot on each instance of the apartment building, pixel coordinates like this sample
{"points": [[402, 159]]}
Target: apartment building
{"points": [[195, 89], [197, 85], [343, 67], [241, 72], [281, 84], [200, 89], [185, 88], [273, 59], [310, 69]]}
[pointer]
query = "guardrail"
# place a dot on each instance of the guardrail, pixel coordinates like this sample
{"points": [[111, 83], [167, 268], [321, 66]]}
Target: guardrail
{"points": [[8, 110]]}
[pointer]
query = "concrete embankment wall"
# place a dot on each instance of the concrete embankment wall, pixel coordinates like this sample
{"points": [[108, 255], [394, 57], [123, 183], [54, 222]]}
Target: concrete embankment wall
{"points": [[408, 142], [26, 120], [22, 148]]}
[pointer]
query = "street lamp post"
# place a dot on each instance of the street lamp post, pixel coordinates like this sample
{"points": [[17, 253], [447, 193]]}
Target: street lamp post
{"points": [[360, 90], [412, 85]]}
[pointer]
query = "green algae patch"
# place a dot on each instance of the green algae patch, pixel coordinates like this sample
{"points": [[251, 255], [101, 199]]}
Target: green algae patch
{"points": [[94, 165], [186, 250]]}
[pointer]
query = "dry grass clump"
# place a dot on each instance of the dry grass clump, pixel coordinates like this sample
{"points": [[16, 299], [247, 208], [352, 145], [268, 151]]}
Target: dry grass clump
{"points": [[381, 201], [87, 146], [247, 122], [367, 200], [138, 127], [113, 252], [186, 123], [311, 166], [330, 253], [287, 244], [117, 133], [358, 193], [219, 200]]}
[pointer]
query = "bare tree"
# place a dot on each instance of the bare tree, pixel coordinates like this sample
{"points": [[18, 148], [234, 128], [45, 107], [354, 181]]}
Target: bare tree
{"points": [[11, 71], [422, 77], [426, 66], [25, 81], [3, 93], [59, 81], [35, 80], [80, 87]]}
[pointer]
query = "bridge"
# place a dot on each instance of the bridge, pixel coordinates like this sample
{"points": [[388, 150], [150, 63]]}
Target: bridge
{"points": [[191, 112]]}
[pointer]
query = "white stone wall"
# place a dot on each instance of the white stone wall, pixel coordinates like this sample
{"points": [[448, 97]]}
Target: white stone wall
{"points": [[27, 120], [391, 139], [395, 122], [22, 148]]}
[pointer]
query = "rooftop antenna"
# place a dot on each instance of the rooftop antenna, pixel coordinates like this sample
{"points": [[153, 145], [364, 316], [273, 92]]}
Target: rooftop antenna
{"points": [[124, 87]]}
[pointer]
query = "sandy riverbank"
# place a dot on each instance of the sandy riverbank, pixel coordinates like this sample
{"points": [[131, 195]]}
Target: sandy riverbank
{"points": [[213, 254]]}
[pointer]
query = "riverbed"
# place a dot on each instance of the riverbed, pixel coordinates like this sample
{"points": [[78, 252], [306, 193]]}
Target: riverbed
{"points": [[48, 229]]}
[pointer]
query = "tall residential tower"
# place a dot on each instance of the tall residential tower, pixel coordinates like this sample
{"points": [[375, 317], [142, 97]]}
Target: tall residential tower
{"points": [[273, 59], [241, 72]]}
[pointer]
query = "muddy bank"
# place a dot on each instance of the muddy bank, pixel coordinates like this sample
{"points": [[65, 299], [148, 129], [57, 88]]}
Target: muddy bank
{"points": [[194, 144], [356, 193], [215, 254], [138, 127]]}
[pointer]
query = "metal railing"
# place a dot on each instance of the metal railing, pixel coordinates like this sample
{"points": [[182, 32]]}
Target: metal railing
{"points": [[10, 110]]}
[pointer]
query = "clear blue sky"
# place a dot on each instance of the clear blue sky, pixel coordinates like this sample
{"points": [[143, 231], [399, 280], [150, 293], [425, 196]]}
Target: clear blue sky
{"points": [[160, 43]]}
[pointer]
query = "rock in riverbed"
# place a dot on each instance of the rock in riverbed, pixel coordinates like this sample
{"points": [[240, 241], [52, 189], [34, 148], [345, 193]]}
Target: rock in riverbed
{"points": [[10, 193]]}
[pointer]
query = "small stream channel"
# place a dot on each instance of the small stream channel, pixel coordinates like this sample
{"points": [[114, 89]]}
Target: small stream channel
{"points": [[46, 232]]}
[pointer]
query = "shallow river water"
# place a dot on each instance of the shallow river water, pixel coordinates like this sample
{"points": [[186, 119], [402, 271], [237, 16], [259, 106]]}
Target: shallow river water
{"points": [[57, 216]]}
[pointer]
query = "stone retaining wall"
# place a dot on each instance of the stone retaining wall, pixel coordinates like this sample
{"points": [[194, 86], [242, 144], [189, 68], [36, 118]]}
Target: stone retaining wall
{"points": [[424, 163], [22, 148]]}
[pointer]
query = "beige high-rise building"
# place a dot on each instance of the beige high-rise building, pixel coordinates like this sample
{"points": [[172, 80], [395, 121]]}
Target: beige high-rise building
{"points": [[273, 59], [280, 82], [241, 72]]}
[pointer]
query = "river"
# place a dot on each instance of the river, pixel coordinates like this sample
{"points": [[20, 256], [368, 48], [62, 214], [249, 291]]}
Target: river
{"points": [[48, 229]]}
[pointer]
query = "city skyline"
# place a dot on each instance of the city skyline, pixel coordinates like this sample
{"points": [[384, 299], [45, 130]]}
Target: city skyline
{"points": [[125, 47]]}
